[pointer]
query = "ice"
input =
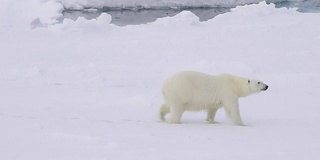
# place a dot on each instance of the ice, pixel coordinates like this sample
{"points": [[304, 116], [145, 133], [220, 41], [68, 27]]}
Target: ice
{"points": [[87, 89], [145, 11], [155, 4], [303, 5]]}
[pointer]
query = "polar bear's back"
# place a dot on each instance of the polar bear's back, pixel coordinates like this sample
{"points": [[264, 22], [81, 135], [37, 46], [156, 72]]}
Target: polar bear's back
{"points": [[193, 90]]}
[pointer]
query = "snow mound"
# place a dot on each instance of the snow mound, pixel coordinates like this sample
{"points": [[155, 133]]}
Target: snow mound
{"points": [[82, 25], [34, 13]]}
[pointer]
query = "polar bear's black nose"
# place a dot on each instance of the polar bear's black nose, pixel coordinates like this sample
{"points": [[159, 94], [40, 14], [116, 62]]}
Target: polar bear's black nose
{"points": [[265, 88]]}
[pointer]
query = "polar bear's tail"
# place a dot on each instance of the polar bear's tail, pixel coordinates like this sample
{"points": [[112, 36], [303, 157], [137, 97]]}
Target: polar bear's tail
{"points": [[164, 109]]}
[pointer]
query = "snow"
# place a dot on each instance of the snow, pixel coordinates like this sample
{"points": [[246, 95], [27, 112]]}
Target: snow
{"points": [[16, 14], [88, 89]]}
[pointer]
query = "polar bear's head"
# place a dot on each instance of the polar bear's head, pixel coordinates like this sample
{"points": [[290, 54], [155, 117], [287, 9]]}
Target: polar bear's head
{"points": [[257, 86], [244, 86]]}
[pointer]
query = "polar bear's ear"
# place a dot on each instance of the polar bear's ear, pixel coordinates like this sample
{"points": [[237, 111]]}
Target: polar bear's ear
{"points": [[248, 81]]}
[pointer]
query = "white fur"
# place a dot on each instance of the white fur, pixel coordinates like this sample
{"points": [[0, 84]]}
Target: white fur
{"points": [[194, 91]]}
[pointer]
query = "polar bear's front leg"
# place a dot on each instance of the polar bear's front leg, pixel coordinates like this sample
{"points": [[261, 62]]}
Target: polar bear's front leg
{"points": [[176, 114], [234, 113], [211, 115], [236, 118]]}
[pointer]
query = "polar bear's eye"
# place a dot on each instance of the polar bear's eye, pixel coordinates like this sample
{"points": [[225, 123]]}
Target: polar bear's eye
{"points": [[248, 81], [258, 83]]}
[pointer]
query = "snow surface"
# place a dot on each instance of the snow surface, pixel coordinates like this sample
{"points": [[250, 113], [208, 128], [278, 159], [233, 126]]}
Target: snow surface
{"points": [[87, 89]]}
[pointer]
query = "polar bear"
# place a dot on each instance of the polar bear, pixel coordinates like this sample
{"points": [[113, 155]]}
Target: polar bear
{"points": [[195, 91]]}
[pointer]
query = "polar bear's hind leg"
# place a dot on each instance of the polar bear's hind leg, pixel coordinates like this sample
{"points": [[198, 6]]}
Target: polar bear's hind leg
{"points": [[164, 109]]}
